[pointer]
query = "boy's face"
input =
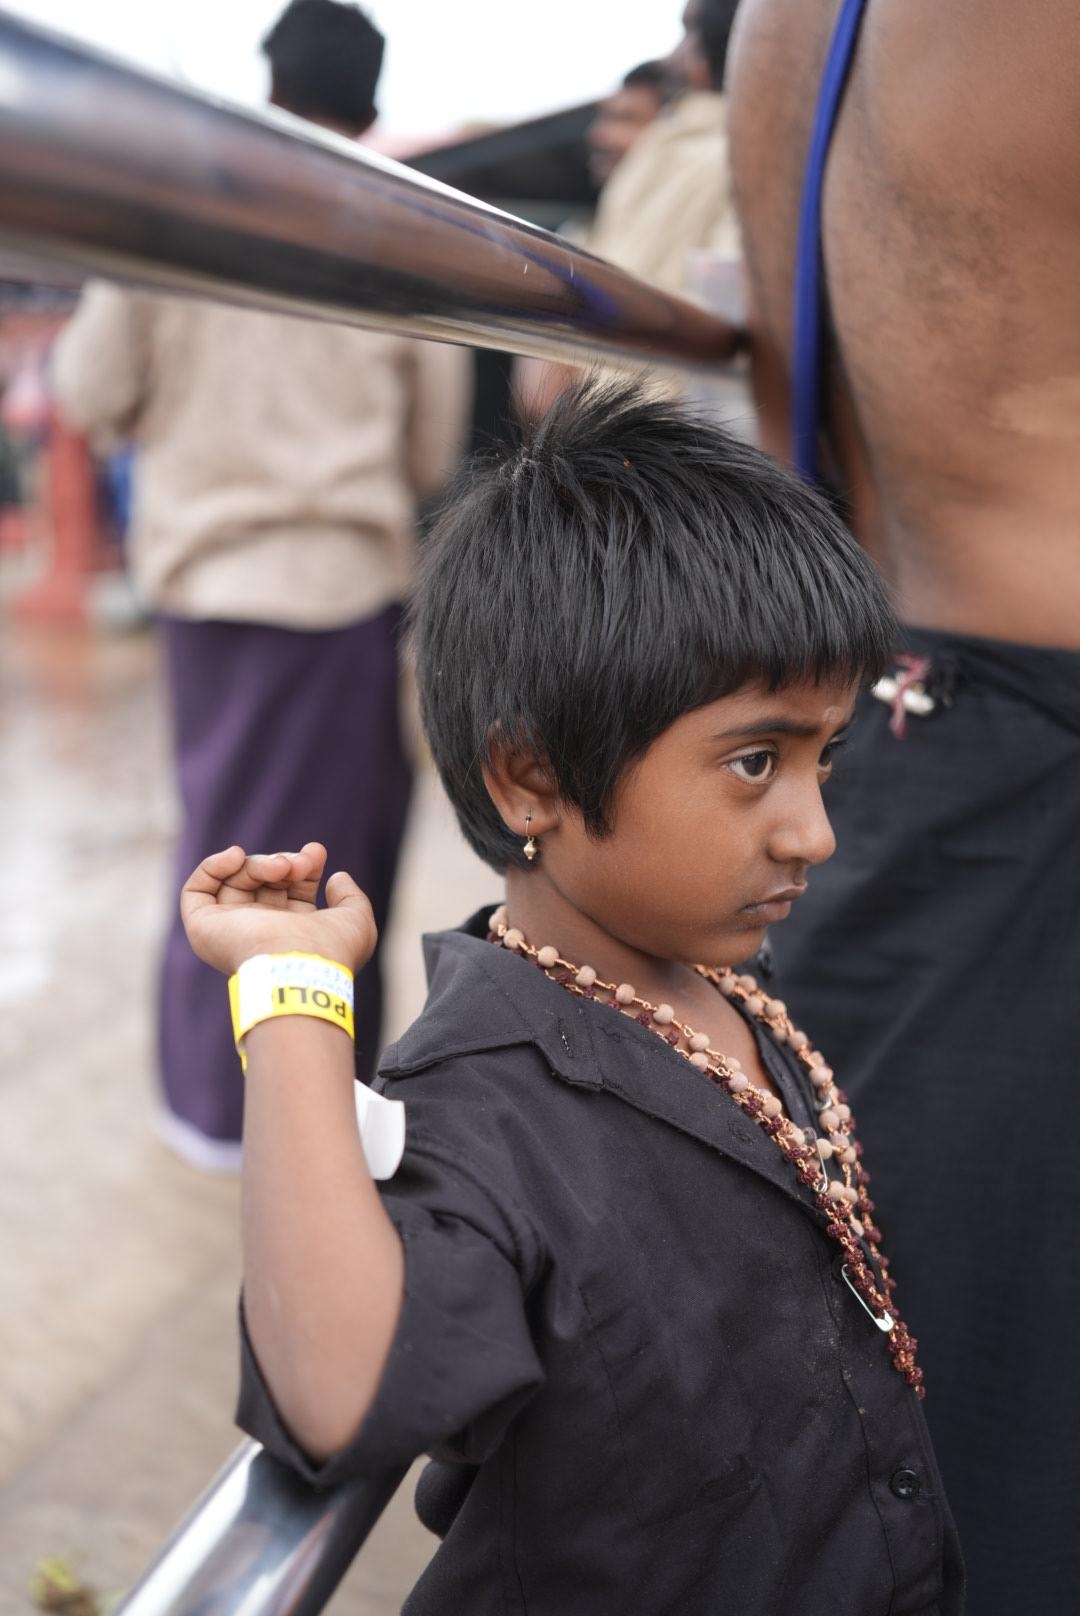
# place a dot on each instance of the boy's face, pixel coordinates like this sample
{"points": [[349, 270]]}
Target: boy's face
{"points": [[714, 831]]}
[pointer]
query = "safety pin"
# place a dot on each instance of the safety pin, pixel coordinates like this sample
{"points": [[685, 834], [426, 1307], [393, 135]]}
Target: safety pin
{"points": [[914, 697], [886, 1323], [821, 1188]]}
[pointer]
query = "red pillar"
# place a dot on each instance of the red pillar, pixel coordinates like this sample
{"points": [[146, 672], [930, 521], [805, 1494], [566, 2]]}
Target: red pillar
{"points": [[71, 530]]}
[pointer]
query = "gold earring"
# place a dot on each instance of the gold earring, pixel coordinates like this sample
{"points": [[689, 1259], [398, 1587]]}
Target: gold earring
{"points": [[532, 846]]}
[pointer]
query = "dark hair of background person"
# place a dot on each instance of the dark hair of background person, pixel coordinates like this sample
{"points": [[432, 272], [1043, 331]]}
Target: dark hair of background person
{"points": [[647, 76], [628, 563], [715, 20], [325, 60], [700, 58]]}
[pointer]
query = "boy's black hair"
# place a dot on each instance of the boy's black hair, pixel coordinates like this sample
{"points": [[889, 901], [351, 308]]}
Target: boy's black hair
{"points": [[325, 60], [629, 563]]}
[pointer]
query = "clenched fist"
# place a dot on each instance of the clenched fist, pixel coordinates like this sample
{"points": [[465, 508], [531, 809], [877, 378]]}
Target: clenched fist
{"points": [[234, 906]]}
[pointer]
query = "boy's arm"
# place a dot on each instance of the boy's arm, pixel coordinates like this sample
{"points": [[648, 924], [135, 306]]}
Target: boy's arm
{"points": [[99, 369], [323, 1264]]}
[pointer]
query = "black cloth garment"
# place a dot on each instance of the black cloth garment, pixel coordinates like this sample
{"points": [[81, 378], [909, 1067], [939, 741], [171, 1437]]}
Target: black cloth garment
{"points": [[625, 1338], [938, 955]]}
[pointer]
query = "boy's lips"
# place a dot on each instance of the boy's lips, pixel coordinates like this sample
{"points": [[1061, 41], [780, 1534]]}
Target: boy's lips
{"points": [[774, 908]]}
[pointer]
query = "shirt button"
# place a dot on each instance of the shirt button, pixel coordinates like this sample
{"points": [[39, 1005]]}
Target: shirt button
{"points": [[905, 1484]]}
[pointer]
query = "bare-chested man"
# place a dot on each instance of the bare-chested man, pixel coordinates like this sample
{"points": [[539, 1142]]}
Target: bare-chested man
{"points": [[937, 958]]}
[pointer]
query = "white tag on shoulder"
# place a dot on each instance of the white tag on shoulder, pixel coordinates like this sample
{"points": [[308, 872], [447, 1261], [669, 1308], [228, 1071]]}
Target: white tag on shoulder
{"points": [[382, 1131]]}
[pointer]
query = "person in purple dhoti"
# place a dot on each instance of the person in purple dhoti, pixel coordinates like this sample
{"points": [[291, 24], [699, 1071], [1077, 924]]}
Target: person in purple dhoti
{"points": [[279, 465]]}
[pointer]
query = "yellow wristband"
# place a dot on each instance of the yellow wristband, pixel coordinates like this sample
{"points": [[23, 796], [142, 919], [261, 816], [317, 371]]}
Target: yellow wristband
{"points": [[270, 985]]}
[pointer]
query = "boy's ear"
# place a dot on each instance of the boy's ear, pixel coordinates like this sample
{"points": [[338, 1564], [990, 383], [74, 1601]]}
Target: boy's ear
{"points": [[522, 786]]}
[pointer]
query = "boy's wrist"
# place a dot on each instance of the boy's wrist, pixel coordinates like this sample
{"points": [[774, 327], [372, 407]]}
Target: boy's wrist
{"points": [[270, 986], [281, 1031], [298, 947]]}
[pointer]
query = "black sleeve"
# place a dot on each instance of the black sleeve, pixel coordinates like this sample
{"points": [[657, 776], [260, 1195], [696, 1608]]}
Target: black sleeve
{"points": [[462, 1360]]}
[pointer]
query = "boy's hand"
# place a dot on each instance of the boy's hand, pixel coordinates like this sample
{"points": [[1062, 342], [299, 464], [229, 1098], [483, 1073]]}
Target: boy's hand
{"points": [[234, 906]]}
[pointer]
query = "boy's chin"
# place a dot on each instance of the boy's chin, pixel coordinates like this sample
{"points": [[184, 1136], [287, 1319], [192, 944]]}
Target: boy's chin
{"points": [[740, 943]]}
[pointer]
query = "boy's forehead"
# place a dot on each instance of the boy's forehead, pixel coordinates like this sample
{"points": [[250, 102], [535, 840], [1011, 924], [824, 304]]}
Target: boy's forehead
{"points": [[809, 705]]}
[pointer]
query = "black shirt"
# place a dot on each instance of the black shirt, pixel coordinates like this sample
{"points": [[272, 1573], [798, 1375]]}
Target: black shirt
{"points": [[625, 1338]]}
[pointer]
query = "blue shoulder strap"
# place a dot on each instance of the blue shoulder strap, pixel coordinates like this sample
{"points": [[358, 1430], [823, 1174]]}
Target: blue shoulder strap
{"points": [[807, 376]]}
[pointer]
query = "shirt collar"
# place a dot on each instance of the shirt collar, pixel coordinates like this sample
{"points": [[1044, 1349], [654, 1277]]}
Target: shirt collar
{"points": [[481, 997], [484, 998]]}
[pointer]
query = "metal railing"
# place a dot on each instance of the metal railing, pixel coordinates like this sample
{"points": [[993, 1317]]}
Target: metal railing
{"points": [[109, 170], [118, 172], [260, 1541]]}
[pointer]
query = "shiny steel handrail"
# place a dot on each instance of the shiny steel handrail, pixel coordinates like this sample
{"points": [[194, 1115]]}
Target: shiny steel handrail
{"points": [[260, 1542], [125, 174]]}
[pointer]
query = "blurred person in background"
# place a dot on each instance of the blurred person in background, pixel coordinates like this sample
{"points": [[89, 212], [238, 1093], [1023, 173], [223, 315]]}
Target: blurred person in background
{"points": [[916, 350], [672, 194], [623, 116], [279, 466], [668, 199]]}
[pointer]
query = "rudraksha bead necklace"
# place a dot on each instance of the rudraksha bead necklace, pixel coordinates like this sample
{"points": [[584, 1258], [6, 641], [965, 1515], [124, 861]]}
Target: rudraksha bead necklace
{"points": [[843, 1201]]}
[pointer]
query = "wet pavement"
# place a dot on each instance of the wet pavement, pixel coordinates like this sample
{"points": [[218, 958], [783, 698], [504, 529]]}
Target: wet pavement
{"points": [[118, 1264]]}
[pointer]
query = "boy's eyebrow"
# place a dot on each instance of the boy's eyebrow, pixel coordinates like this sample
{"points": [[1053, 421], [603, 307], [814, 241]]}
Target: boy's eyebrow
{"points": [[781, 726]]}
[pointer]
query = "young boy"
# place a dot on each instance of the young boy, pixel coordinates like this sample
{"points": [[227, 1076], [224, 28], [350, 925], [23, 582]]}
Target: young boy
{"points": [[625, 1285]]}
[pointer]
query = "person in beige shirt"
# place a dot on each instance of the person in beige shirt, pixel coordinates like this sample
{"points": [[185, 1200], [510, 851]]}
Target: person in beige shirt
{"points": [[279, 465], [670, 196], [253, 429], [623, 116]]}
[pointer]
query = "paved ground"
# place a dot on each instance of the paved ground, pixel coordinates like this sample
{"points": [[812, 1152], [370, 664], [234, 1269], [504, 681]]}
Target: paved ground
{"points": [[118, 1265]]}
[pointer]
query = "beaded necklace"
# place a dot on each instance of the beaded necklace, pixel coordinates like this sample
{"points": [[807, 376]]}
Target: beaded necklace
{"points": [[843, 1201]]}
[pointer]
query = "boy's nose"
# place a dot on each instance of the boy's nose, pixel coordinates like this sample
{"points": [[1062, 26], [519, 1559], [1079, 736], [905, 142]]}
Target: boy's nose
{"points": [[804, 836]]}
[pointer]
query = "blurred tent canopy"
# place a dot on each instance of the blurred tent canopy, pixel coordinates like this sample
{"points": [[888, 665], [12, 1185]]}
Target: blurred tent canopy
{"points": [[536, 169]]}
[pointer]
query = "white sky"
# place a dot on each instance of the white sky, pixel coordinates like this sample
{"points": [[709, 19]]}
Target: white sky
{"points": [[448, 61]]}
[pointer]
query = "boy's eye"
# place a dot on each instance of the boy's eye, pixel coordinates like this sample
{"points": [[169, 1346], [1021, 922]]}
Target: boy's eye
{"points": [[828, 756], [755, 768]]}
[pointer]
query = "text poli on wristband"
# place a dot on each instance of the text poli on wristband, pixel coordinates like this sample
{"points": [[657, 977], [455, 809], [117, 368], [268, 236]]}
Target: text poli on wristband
{"points": [[294, 984]]}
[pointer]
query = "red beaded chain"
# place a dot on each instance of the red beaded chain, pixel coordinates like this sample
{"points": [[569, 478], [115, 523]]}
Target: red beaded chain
{"points": [[844, 1203]]}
